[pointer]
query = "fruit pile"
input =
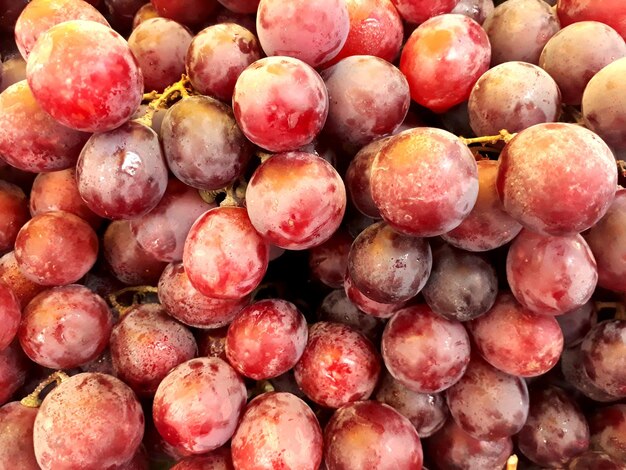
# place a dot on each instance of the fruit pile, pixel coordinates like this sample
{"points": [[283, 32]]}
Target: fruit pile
{"points": [[301, 235]]}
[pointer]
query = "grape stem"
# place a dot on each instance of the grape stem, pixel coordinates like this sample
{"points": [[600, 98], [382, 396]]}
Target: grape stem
{"points": [[33, 400], [261, 387], [504, 136], [138, 293], [181, 89], [235, 194], [511, 464], [620, 308]]}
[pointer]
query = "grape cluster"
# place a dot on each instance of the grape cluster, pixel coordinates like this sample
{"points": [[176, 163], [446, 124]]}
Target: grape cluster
{"points": [[312, 235]]}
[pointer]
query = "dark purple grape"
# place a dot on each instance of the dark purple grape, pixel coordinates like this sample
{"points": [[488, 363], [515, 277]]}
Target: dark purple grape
{"points": [[336, 307], [608, 431], [604, 356]]}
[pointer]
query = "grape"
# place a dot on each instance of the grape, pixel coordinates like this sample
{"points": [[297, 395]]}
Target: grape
{"points": [[582, 178], [426, 209], [266, 339], [56, 248], [227, 48], [513, 96], [224, 256], [519, 29], [12, 71], [16, 437], [367, 305], [453, 449], [160, 47], [369, 98], [13, 369], [607, 240], [556, 430], [328, 262], [551, 275], [418, 11], [296, 200], [336, 307], [487, 226], [576, 323], [121, 173], [14, 209], [375, 29], [338, 366], [368, 434], [11, 275], [219, 459], [93, 99], [30, 139], [188, 12], [604, 105], [198, 404], [389, 267], [596, 460], [426, 411], [128, 262], [450, 46], [212, 343], [325, 24], [65, 327], [488, 404], [608, 431], [241, 6], [575, 375], [10, 315], [40, 15], [280, 103], [576, 53], [462, 286], [145, 13], [478, 10], [146, 344], [610, 12], [604, 356], [122, 12], [516, 340], [88, 421], [162, 231], [187, 305]]}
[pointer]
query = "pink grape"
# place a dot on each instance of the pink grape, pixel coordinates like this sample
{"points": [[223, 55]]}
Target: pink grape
{"points": [[187, 12], [336, 307], [418, 11], [92, 100], [16, 437], [609, 12], [328, 262], [608, 431], [13, 369], [13, 277], [367, 305], [478, 10], [10, 315], [604, 356], [14, 210], [219, 459]]}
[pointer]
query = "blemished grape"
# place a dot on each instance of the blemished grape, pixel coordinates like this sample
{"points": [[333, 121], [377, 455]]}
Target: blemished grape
{"points": [[556, 430], [40, 15], [367, 305], [610, 12], [146, 344], [336, 307], [607, 240], [56, 248], [433, 363], [10, 315], [187, 12], [478, 10], [224, 256], [418, 11], [16, 437], [14, 210], [575, 375], [604, 356], [197, 406], [513, 96], [122, 173], [519, 29], [12, 276], [608, 431], [13, 369], [296, 200], [163, 230], [551, 275], [183, 301], [465, 46], [369, 434], [328, 262], [389, 267], [92, 99], [65, 327], [427, 412], [160, 47], [266, 339], [604, 104], [597, 460], [280, 103], [89, 420], [227, 48], [516, 340], [576, 323], [583, 178], [488, 404], [281, 28], [369, 98], [30, 139], [462, 286], [576, 53], [339, 365], [219, 459], [145, 13], [453, 448], [426, 209]]}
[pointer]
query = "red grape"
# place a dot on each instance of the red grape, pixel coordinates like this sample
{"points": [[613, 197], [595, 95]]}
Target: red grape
{"points": [[328, 262], [604, 356], [576, 323], [12, 276], [450, 46], [10, 315], [16, 437], [13, 369], [608, 431], [575, 376], [358, 178], [610, 12], [280, 103], [583, 178], [88, 421], [122, 12], [241, 6], [14, 210], [198, 404], [367, 305], [595, 460], [219, 459], [71, 90], [339, 365], [188, 12], [145, 13], [418, 11], [336, 307], [478, 10]]}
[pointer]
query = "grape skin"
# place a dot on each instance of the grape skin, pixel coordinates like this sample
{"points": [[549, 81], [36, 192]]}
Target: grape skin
{"points": [[12, 276], [219, 459], [576, 323], [478, 10], [608, 431], [16, 437], [575, 375], [328, 262], [10, 315], [595, 460], [14, 210], [610, 12], [145, 13], [418, 11], [14, 367], [336, 307], [367, 305], [604, 356], [187, 12], [358, 176]]}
